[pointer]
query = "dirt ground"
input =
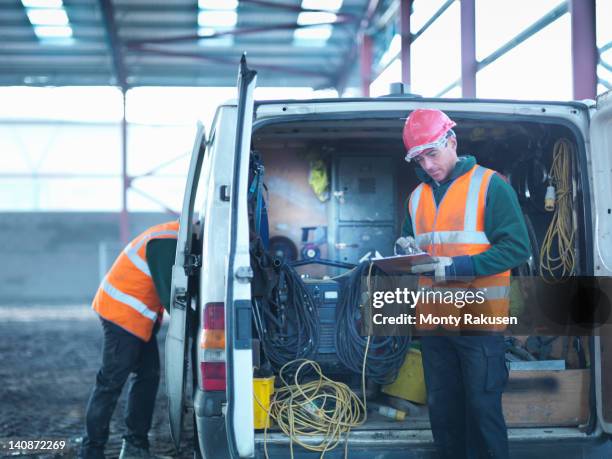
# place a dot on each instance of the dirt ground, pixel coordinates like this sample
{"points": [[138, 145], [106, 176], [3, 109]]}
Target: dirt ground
{"points": [[49, 356]]}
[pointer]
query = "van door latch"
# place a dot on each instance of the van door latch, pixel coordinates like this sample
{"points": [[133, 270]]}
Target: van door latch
{"points": [[244, 274], [224, 193]]}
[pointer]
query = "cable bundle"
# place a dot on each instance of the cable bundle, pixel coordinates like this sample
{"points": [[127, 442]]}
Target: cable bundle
{"points": [[288, 321], [561, 231], [320, 407], [385, 354]]}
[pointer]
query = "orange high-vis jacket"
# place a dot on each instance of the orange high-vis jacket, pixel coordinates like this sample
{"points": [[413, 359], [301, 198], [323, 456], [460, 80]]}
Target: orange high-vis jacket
{"points": [[453, 228], [127, 295]]}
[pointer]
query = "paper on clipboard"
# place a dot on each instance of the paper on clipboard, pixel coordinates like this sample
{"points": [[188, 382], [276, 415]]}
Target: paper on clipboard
{"points": [[403, 263]]}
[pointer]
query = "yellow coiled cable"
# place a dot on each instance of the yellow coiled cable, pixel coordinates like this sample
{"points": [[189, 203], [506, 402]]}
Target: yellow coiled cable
{"points": [[321, 407], [560, 263]]}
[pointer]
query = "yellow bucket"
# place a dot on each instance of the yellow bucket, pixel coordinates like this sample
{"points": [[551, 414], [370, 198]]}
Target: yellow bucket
{"points": [[410, 382], [263, 388]]}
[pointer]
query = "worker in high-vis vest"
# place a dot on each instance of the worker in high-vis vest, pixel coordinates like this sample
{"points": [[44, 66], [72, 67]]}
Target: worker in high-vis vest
{"points": [[130, 302], [468, 218]]}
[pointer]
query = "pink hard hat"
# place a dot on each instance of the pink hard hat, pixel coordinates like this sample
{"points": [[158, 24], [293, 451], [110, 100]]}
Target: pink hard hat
{"points": [[425, 129]]}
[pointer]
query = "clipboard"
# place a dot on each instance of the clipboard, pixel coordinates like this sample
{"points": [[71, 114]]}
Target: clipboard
{"points": [[402, 264]]}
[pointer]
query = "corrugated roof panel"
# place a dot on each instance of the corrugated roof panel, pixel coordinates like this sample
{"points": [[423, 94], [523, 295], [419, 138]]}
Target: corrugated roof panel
{"points": [[88, 58]]}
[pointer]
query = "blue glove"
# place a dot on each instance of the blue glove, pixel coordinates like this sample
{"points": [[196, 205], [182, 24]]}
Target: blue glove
{"points": [[462, 267]]}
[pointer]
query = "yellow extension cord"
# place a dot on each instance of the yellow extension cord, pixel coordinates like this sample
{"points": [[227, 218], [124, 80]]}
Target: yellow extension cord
{"points": [[298, 409], [558, 264]]}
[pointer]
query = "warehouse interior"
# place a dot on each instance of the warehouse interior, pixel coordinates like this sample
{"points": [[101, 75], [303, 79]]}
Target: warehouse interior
{"points": [[101, 102]]}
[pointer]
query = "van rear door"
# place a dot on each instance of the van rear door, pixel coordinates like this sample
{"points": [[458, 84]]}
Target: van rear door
{"points": [[601, 167], [239, 364], [177, 353]]}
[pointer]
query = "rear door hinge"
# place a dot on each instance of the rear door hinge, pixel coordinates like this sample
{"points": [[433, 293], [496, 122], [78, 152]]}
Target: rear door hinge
{"points": [[180, 299], [192, 264]]}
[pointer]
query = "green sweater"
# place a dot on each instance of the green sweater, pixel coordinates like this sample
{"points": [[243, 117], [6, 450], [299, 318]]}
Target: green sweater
{"points": [[504, 223], [160, 258]]}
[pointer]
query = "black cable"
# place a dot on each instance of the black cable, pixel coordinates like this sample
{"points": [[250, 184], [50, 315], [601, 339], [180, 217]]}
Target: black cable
{"points": [[288, 321], [385, 353]]}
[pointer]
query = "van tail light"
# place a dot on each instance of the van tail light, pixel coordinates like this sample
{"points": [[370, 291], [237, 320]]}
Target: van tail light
{"points": [[214, 316], [213, 339], [213, 375], [212, 342]]}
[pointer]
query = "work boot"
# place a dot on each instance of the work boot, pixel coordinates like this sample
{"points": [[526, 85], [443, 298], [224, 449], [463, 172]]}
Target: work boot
{"points": [[91, 453], [131, 451]]}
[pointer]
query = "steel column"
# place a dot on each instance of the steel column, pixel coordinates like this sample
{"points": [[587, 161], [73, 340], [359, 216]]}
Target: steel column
{"points": [[114, 42], [339, 81], [584, 49], [366, 65], [468, 49], [116, 47], [124, 221], [405, 8]]}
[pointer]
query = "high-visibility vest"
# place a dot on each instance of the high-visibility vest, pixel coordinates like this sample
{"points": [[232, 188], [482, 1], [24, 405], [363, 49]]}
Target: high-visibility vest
{"points": [[127, 295], [452, 228]]}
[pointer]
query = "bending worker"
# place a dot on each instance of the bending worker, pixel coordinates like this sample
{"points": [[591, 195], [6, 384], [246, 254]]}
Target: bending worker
{"points": [[130, 303], [470, 218]]}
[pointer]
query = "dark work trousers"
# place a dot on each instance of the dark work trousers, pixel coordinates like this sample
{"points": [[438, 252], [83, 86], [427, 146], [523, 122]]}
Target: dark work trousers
{"points": [[465, 378], [123, 353]]}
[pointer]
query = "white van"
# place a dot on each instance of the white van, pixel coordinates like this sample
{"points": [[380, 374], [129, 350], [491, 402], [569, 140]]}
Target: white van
{"points": [[211, 284]]}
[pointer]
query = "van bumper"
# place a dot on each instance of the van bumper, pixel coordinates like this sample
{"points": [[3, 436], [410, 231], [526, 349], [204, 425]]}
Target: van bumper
{"points": [[210, 424], [560, 443]]}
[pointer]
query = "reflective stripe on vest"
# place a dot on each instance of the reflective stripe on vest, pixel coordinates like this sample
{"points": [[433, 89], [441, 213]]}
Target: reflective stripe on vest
{"points": [[135, 258], [452, 237], [497, 293], [127, 295], [132, 302], [132, 250], [415, 198]]}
